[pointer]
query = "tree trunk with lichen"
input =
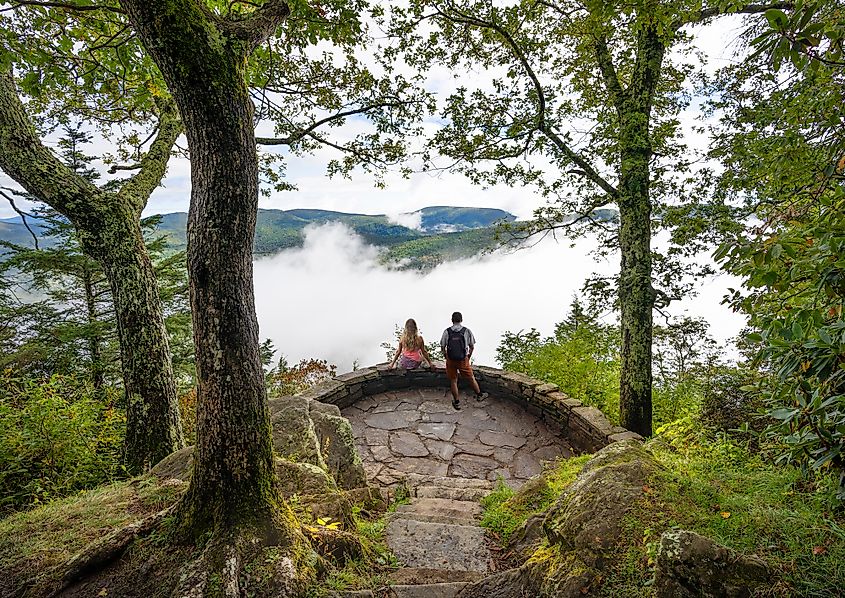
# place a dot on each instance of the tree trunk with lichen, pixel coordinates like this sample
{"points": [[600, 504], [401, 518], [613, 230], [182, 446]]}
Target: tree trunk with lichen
{"points": [[94, 340], [203, 63], [108, 228], [636, 293], [153, 426]]}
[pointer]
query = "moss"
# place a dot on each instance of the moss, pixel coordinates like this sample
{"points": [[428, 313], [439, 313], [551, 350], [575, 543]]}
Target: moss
{"points": [[505, 510], [49, 535]]}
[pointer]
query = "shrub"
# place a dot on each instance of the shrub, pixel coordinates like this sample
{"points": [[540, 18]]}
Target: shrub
{"points": [[582, 358], [287, 380], [57, 436], [729, 404]]}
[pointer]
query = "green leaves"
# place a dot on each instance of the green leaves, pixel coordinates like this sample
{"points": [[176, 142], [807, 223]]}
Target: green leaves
{"points": [[777, 18]]}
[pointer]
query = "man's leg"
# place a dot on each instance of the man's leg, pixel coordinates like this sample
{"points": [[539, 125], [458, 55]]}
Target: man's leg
{"points": [[474, 384], [452, 373], [467, 372]]}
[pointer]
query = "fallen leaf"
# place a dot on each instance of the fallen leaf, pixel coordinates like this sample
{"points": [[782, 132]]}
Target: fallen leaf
{"points": [[817, 550], [725, 514], [646, 488], [103, 592]]}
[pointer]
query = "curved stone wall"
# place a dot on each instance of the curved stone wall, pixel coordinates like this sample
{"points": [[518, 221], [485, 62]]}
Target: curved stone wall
{"points": [[586, 428]]}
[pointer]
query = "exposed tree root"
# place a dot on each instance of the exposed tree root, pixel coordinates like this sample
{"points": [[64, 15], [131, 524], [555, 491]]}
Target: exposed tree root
{"points": [[270, 555], [94, 558], [219, 569]]}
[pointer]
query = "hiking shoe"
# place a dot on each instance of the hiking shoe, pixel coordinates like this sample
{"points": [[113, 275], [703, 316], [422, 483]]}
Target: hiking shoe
{"points": [[456, 404], [481, 396]]}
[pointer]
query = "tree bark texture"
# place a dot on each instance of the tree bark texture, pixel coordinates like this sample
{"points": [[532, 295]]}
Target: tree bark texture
{"points": [[204, 64], [636, 293], [108, 228]]}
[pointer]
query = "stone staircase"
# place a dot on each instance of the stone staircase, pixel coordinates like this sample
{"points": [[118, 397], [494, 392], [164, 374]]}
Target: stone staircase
{"points": [[437, 538]]}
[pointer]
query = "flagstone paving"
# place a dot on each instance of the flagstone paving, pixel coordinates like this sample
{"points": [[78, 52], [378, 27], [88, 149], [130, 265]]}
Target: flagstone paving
{"points": [[416, 432]]}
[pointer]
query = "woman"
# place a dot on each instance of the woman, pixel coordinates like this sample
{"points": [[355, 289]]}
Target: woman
{"points": [[411, 348]]}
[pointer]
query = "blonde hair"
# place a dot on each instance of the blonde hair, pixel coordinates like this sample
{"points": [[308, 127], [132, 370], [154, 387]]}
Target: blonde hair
{"points": [[410, 337]]}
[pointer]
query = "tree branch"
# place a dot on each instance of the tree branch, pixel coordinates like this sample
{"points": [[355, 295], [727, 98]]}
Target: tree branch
{"points": [[260, 24], [590, 172], [23, 215], [63, 5], [291, 139], [24, 158], [608, 71], [153, 165]]}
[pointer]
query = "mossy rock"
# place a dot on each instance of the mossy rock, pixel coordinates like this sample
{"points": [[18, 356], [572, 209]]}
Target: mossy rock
{"points": [[368, 498], [524, 540], [307, 431], [588, 516], [334, 506], [294, 436], [689, 565], [302, 478], [548, 574], [337, 445], [175, 466]]}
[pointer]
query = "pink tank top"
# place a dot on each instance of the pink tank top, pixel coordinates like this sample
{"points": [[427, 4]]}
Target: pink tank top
{"points": [[414, 354]]}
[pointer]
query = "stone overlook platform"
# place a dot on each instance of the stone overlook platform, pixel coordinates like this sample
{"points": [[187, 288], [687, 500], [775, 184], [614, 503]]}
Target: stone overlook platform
{"points": [[417, 432], [405, 427], [407, 432]]}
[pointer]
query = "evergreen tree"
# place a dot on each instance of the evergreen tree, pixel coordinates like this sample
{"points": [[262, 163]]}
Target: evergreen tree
{"points": [[62, 319]]}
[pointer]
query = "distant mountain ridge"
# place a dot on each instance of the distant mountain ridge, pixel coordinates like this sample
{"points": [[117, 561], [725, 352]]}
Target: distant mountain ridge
{"points": [[433, 234]]}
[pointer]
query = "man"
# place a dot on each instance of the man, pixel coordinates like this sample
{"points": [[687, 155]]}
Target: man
{"points": [[457, 343]]}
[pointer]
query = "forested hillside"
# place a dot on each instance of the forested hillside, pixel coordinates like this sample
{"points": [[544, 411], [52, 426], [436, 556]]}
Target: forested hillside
{"points": [[444, 233]]}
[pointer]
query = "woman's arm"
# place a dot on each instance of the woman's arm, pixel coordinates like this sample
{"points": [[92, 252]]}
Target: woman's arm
{"points": [[425, 353], [395, 357]]}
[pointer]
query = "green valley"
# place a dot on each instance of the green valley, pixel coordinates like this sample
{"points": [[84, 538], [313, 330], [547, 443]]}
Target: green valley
{"points": [[440, 233]]}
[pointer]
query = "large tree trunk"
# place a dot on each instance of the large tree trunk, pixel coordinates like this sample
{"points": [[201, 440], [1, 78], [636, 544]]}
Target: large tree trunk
{"points": [[94, 340], [636, 293], [204, 66], [636, 301]]}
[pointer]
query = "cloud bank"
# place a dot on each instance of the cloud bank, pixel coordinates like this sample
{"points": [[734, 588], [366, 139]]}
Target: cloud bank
{"points": [[332, 300]]}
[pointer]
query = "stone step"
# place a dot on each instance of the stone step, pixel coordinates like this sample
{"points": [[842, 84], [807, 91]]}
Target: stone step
{"points": [[438, 545], [464, 494], [434, 518], [415, 480], [460, 509], [409, 576], [432, 590]]}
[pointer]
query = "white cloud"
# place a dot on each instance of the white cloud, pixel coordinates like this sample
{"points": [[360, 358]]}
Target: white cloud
{"points": [[332, 300], [407, 219]]}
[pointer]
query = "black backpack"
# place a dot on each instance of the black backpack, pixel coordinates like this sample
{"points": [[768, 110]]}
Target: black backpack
{"points": [[456, 346]]}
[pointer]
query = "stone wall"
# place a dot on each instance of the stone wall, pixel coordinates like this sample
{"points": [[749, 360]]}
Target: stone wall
{"points": [[586, 428]]}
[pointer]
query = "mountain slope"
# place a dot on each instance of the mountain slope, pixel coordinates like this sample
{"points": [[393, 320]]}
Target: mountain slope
{"points": [[442, 233]]}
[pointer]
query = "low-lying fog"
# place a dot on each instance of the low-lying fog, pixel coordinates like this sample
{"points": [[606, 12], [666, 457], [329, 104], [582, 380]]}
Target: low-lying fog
{"points": [[332, 300]]}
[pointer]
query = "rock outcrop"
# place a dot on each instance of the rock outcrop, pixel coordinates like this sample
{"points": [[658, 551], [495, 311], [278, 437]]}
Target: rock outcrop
{"points": [[690, 565], [569, 553], [314, 443]]}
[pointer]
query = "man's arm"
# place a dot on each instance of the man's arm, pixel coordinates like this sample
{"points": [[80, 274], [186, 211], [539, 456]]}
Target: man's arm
{"points": [[444, 338], [469, 337]]}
